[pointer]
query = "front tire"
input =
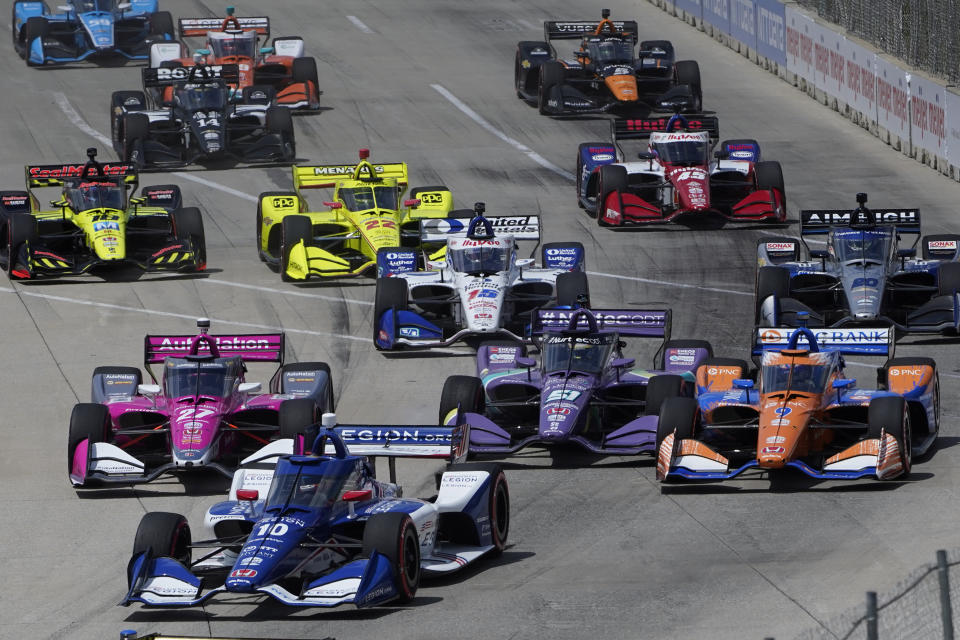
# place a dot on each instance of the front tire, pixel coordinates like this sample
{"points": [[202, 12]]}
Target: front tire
{"points": [[164, 535], [391, 294], [394, 535], [293, 229], [21, 229], [465, 392], [88, 421], [551, 75], [188, 228], [889, 414], [677, 415]]}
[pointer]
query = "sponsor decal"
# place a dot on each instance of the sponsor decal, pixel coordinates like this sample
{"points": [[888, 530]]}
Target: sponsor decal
{"points": [[563, 411], [222, 342], [339, 170], [602, 157], [776, 440], [746, 155], [558, 395], [379, 592], [724, 371], [780, 246], [105, 225], [905, 372], [501, 357], [935, 245], [769, 450], [783, 411], [76, 170], [569, 251], [410, 332], [243, 573], [780, 422], [183, 73]]}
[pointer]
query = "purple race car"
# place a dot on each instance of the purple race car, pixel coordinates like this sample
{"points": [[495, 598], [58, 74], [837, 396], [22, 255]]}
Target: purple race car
{"points": [[584, 390], [203, 414]]}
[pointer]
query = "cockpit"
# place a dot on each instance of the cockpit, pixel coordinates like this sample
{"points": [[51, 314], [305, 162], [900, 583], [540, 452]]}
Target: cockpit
{"points": [[311, 486], [691, 152], [224, 45], [584, 353], [863, 246], [213, 378], [364, 198], [84, 6], [809, 374], [480, 256], [612, 51], [194, 96], [86, 194]]}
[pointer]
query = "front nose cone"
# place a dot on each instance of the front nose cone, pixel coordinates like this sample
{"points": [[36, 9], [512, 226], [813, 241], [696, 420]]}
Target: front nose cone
{"points": [[623, 88], [772, 457]]}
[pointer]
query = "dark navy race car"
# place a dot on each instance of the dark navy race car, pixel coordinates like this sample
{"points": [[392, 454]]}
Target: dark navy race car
{"points": [[88, 28], [319, 530], [863, 276]]}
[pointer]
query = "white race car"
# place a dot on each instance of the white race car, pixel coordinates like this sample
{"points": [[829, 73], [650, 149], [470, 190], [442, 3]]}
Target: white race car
{"points": [[480, 289]]}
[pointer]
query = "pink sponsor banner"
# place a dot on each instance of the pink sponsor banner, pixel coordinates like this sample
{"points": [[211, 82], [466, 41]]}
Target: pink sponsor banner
{"points": [[892, 96], [928, 110], [859, 79], [953, 128], [800, 33], [261, 347]]}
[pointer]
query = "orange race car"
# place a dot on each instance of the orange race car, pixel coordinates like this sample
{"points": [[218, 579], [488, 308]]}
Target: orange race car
{"points": [[806, 415], [280, 73]]}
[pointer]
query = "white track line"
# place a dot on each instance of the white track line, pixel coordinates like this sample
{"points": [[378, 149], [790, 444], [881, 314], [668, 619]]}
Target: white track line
{"points": [[522, 148], [667, 283], [170, 314], [77, 120], [285, 292], [359, 25]]}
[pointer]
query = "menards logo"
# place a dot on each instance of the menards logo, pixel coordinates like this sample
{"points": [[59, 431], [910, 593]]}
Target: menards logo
{"points": [[345, 169]]}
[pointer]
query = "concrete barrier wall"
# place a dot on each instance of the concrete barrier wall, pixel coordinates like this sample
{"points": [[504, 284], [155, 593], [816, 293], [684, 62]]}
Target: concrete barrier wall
{"points": [[914, 114]]}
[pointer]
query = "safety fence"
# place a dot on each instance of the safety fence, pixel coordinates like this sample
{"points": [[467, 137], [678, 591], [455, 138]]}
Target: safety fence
{"points": [[923, 33], [915, 114], [922, 606]]}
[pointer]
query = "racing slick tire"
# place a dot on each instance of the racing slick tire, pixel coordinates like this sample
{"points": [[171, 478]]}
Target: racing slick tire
{"points": [[163, 535], [498, 509], [329, 404], [188, 227], [391, 293], [394, 535], [770, 281], [770, 176], [571, 285], [305, 70], [659, 388], [161, 24], [688, 72], [36, 27], [677, 414], [295, 416], [293, 230], [18, 46], [465, 392], [551, 74], [87, 420], [579, 173], [280, 121], [927, 254], [611, 178], [948, 278], [121, 103], [889, 414], [682, 344], [135, 129], [21, 228]]}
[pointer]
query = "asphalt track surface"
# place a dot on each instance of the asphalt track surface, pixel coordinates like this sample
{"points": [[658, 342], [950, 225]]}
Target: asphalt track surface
{"points": [[596, 548]]}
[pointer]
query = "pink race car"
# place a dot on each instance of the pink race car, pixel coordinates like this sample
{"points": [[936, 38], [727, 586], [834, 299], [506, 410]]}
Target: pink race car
{"points": [[202, 414]]}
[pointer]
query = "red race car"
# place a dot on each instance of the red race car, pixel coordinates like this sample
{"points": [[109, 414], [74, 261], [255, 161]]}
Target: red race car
{"points": [[279, 74], [675, 179]]}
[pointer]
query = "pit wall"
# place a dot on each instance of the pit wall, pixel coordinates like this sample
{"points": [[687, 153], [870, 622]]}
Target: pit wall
{"points": [[914, 114]]}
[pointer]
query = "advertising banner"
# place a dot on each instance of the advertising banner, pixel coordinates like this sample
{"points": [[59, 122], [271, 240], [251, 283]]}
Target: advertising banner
{"points": [[828, 60], [953, 128], [859, 79], [717, 13], [800, 31], [694, 7], [892, 96], [743, 22], [772, 31], [928, 101]]}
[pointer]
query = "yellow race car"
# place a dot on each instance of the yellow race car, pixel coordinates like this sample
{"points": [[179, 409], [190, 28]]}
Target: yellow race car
{"points": [[366, 215]]}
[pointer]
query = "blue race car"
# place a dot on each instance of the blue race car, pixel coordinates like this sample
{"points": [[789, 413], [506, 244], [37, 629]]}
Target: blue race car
{"points": [[319, 530], [88, 28]]}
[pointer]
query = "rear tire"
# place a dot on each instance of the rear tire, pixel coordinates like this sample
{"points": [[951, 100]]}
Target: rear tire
{"points": [[280, 122], [136, 129], [659, 389], [948, 278], [394, 536], [688, 72], [465, 392], [188, 227], [161, 24], [305, 70], [770, 281], [391, 293], [293, 230], [295, 416], [890, 414], [570, 286], [314, 366], [498, 507]]}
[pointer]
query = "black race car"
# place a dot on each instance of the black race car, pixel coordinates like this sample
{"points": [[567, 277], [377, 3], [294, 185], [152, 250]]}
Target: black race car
{"points": [[606, 72], [186, 115]]}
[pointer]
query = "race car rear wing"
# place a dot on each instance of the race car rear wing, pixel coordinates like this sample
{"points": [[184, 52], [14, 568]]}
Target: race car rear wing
{"points": [[576, 29], [253, 347], [871, 341], [641, 128], [198, 27], [326, 176], [53, 175], [521, 227], [634, 323], [820, 221], [162, 77]]}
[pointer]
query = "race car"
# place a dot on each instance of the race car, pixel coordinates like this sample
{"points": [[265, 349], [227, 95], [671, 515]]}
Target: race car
{"points": [[282, 70], [606, 73], [863, 276], [806, 416], [584, 391], [88, 29], [476, 286], [202, 415], [184, 115], [674, 179], [320, 530], [365, 215], [96, 225]]}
